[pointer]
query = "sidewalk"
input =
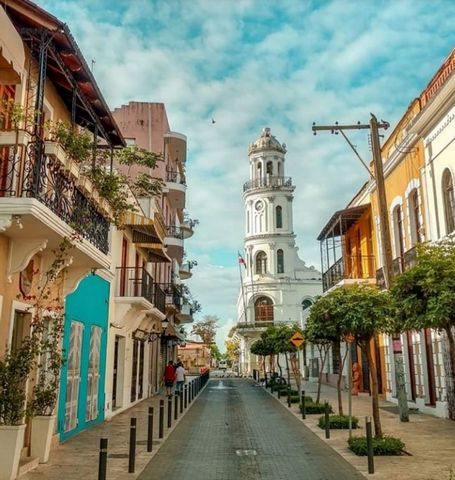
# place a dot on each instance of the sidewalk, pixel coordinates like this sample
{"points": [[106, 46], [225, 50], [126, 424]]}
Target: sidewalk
{"points": [[78, 458], [430, 441]]}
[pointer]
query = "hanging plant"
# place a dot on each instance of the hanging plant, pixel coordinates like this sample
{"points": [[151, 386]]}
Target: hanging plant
{"points": [[78, 144]]}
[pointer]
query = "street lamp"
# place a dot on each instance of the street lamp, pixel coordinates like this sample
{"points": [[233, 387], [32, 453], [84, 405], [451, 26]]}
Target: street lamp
{"points": [[164, 323]]}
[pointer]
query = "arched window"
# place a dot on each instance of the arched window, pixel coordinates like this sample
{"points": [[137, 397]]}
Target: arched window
{"points": [[261, 263], [259, 171], [269, 170], [280, 261], [399, 239], [414, 216], [263, 310], [279, 169], [279, 217], [306, 304], [449, 200]]}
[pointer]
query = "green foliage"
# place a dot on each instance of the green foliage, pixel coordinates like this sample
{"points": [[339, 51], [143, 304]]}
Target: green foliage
{"points": [[314, 408], [133, 155], [232, 352], [187, 297], [381, 446], [206, 329], [340, 422], [215, 352], [78, 144], [424, 295], [11, 112]]}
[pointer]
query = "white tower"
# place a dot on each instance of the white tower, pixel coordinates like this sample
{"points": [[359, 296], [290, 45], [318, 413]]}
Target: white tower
{"points": [[277, 285]]}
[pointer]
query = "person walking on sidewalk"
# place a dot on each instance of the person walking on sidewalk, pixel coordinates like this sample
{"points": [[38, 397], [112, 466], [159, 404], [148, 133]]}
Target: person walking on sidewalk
{"points": [[169, 377], [180, 377]]}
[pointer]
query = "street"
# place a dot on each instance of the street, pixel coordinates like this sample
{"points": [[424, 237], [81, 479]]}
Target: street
{"points": [[236, 430]]}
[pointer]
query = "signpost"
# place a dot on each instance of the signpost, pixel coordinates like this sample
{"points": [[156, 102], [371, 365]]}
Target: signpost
{"points": [[297, 339]]}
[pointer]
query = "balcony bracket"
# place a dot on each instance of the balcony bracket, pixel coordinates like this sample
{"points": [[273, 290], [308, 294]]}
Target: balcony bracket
{"points": [[20, 253], [73, 277]]}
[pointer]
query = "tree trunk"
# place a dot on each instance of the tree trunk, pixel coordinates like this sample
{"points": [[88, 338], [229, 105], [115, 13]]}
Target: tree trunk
{"points": [[340, 376], [264, 366], [288, 373], [374, 389], [296, 370], [323, 355], [279, 366], [450, 374]]}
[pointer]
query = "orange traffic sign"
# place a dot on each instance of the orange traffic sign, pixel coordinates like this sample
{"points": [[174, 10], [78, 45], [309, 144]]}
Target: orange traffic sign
{"points": [[297, 339]]}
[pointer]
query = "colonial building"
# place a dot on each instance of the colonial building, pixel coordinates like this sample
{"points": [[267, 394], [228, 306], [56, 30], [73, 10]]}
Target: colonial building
{"points": [[277, 286]]}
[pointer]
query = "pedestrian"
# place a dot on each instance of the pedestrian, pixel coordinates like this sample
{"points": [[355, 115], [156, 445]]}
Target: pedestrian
{"points": [[180, 373], [169, 377]]}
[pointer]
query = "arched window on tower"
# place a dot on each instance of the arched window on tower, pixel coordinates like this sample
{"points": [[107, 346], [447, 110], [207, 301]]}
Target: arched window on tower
{"points": [[263, 310], [269, 168], [306, 304], [279, 169], [449, 200], [259, 171], [280, 261], [261, 263], [279, 217]]}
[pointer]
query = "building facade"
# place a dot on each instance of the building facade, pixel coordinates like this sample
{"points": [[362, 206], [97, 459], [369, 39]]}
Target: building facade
{"points": [[277, 285]]}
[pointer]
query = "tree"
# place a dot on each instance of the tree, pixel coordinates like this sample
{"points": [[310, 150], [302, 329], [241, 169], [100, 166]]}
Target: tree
{"points": [[215, 353], [232, 352], [206, 329], [261, 349], [424, 297], [365, 311], [316, 333]]}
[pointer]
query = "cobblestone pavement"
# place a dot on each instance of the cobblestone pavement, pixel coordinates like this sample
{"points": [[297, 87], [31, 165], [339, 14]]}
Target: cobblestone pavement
{"points": [[237, 431]]}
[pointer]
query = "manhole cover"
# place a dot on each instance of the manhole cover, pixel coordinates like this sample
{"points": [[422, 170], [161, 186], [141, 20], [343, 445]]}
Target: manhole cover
{"points": [[245, 453], [118, 455]]}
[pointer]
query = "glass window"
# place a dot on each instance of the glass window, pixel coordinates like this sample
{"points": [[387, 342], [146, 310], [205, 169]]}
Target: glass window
{"points": [[269, 168], [449, 200], [279, 217], [263, 308], [280, 261], [261, 263], [306, 304]]}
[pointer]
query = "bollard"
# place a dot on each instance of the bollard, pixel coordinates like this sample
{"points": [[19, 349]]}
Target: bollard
{"points": [[289, 396], [150, 430], [369, 445], [132, 456], [279, 391], [186, 395], [169, 412], [303, 405], [102, 463], [192, 389], [326, 419], [176, 406], [161, 422], [181, 400]]}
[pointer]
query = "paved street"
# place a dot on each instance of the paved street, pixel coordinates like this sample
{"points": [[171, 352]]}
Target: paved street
{"points": [[236, 430]]}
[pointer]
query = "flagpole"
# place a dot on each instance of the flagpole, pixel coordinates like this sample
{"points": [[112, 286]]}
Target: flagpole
{"points": [[243, 291]]}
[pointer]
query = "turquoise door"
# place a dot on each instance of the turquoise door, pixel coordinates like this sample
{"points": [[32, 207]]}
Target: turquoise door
{"points": [[81, 400]]}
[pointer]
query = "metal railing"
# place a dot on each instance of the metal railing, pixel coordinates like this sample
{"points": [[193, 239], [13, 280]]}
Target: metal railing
{"points": [[258, 324], [399, 265], [175, 177], [137, 282], [32, 174], [173, 294], [349, 267], [174, 231], [267, 182]]}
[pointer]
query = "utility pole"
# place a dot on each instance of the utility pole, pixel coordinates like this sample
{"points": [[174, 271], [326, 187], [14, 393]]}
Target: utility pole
{"points": [[386, 245]]}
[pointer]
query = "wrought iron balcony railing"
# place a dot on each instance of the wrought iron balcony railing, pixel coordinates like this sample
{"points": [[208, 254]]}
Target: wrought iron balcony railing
{"points": [[268, 182], [137, 282], [175, 232], [257, 324], [173, 294], [349, 267], [175, 177], [30, 173], [399, 265]]}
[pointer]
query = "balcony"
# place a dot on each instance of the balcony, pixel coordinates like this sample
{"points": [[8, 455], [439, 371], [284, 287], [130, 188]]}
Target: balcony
{"points": [[187, 227], [50, 201], [185, 270], [175, 188], [136, 285], [349, 269], [174, 242], [252, 327], [173, 296], [185, 315], [399, 265], [268, 182]]}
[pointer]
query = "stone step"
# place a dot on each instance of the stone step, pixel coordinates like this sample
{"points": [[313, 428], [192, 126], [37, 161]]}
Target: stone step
{"points": [[26, 464]]}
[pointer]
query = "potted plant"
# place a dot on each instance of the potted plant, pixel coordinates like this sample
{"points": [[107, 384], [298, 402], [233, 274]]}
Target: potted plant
{"points": [[12, 116], [15, 368], [45, 392]]}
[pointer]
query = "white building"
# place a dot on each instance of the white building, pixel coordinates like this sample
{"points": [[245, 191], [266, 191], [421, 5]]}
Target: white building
{"points": [[277, 285]]}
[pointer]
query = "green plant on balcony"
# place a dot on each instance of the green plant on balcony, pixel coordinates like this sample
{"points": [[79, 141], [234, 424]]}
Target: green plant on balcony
{"points": [[77, 143], [187, 297]]}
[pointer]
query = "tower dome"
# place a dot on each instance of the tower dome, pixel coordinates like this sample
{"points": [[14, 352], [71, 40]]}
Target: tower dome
{"points": [[266, 142]]}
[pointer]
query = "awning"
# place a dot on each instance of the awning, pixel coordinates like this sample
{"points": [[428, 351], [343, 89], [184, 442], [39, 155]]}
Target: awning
{"points": [[144, 230], [12, 55], [156, 251], [342, 220], [173, 332]]}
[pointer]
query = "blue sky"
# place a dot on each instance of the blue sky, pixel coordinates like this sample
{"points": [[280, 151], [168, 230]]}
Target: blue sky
{"points": [[256, 63]]}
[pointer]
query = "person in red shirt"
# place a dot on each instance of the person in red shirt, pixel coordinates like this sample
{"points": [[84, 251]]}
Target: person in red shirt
{"points": [[169, 377]]}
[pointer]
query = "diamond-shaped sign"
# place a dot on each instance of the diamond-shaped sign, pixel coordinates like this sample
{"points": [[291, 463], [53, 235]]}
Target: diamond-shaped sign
{"points": [[297, 339]]}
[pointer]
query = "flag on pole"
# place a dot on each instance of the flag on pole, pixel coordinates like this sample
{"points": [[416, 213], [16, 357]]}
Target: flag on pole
{"points": [[241, 260]]}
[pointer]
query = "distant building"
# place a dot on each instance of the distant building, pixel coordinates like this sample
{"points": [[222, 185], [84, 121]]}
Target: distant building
{"points": [[194, 356], [277, 285]]}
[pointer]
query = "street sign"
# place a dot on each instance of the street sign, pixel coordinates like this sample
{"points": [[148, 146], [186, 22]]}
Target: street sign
{"points": [[297, 339]]}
